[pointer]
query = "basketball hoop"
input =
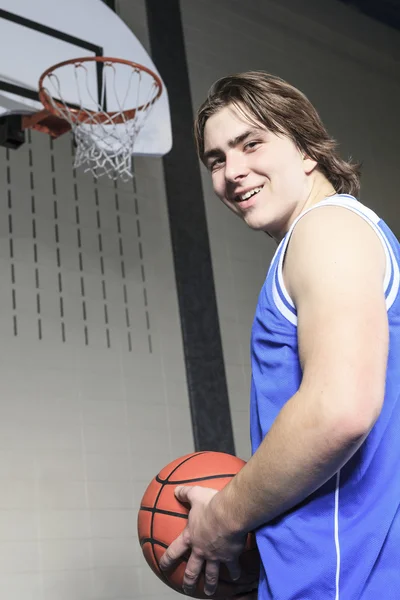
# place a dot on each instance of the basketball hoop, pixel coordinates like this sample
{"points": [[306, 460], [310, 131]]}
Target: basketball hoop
{"points": [[104, 138]]}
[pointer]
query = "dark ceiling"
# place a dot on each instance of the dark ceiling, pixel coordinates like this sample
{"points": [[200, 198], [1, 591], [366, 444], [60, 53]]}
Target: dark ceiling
{"points": [[386, 11]]}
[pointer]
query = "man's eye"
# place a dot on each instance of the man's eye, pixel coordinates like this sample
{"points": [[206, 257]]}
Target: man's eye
{"points": [[216, 163], [251, 145]]}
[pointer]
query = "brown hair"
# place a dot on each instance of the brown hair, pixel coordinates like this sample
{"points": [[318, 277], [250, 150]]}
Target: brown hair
{"points": [[283, 109]]}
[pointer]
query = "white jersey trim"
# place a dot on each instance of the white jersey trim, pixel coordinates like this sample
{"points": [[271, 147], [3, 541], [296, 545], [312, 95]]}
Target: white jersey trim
{"points": [[372, 219], [396, 281], [336, 534], [284, 310]]}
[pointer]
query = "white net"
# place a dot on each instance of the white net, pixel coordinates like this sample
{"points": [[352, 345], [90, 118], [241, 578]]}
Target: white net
{"points": [[101, 115]]}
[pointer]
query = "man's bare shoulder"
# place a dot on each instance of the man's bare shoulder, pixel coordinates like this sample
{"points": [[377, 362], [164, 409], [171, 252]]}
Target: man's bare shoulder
{"points": [[334, 238]]}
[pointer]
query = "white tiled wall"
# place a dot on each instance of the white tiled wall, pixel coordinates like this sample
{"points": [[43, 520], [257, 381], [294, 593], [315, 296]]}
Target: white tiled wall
{"points": [[93, 395], [348, 65]]}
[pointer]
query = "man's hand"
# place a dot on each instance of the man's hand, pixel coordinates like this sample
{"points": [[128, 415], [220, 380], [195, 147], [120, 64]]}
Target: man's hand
{"points": [[208, 539]]}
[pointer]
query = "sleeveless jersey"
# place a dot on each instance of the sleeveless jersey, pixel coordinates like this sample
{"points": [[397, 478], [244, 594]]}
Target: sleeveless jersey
{"points": [[343, 541]]}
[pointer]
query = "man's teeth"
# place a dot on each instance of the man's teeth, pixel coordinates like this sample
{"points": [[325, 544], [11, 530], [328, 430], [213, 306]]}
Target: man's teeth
{"points": [[251, 193]]}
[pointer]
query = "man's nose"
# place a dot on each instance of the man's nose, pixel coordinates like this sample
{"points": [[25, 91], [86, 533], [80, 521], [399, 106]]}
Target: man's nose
{"points": [[235, 168]]}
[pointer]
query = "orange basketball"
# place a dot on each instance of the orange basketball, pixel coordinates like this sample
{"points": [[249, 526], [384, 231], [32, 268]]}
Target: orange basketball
{"points": [[162, 518]]}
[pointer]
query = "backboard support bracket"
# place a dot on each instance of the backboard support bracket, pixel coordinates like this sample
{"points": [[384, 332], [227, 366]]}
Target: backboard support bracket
{"points": [[46, 122], [13, 126], [12, 134]]}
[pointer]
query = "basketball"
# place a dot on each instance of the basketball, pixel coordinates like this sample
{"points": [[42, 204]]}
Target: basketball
{"points": [[162, 518]]}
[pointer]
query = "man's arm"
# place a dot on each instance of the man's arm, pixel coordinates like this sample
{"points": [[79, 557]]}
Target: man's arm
{"points": [[334, 271]]}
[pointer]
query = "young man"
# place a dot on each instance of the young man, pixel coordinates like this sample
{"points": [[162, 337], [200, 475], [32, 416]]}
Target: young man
{"points": [[322, 489]]}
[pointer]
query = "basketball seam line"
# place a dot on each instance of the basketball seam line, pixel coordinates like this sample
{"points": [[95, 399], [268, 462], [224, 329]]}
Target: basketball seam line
{"points": [[170, 513], [152, 541], [183, 481]]}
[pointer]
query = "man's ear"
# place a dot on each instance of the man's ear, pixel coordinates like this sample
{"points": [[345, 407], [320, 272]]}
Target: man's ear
{"points": [[309, 164]]}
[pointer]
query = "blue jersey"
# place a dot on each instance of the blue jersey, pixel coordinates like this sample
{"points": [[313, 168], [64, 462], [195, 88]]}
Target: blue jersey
{"points": [[343, 541]]}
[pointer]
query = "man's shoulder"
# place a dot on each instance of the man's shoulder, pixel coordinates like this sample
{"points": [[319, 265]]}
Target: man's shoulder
{"points": [[327, 236]]}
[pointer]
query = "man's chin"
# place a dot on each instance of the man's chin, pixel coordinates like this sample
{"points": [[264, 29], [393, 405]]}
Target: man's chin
{"points": [[256, 224]]}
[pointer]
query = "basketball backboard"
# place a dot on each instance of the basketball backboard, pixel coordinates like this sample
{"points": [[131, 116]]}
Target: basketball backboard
{"points": [[39, 33]]}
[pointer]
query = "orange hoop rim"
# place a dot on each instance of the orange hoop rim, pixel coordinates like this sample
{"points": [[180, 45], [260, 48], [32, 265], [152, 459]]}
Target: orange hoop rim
{"points": [[101, 117]]}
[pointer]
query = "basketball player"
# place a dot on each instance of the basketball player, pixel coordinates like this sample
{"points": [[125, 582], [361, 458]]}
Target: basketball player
{"points": [[322, 489]]}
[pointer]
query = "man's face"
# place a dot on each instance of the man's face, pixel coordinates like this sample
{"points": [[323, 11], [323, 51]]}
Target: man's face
{"points": [[262, 177]]}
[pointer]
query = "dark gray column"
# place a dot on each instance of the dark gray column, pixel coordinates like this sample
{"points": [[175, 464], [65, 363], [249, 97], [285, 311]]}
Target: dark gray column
{"points": [[212, 428]]}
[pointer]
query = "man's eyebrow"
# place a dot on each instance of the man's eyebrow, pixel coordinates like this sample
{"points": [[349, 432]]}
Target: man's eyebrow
{"points": [[239, 139]]}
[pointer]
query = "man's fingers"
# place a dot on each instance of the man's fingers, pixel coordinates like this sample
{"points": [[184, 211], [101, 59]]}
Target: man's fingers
{"points": [[182, 493], [234, 569], [192, 572], [211, 577], [177, 549]]}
